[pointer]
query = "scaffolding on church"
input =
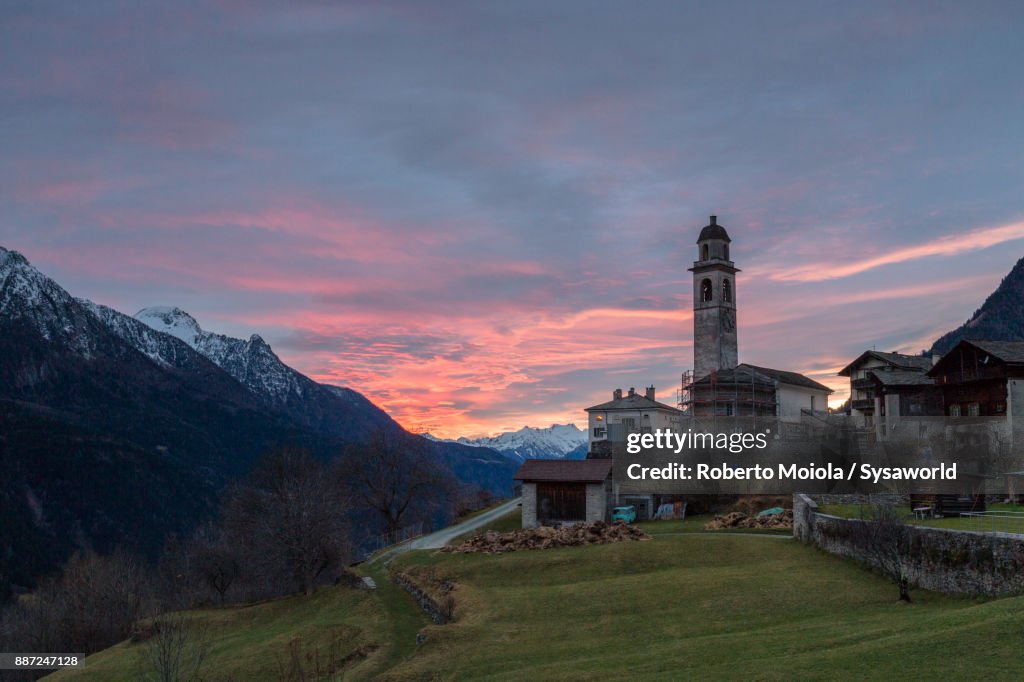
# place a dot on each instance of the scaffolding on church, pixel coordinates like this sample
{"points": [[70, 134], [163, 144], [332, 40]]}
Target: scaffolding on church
{"points": [[740, 392]]}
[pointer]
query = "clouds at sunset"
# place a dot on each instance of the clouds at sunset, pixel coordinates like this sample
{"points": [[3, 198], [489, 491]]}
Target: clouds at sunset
{"points": [[481, 215]]}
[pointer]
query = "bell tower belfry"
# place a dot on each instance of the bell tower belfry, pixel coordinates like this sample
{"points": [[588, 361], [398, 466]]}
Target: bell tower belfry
{"points": [[714, 303]]}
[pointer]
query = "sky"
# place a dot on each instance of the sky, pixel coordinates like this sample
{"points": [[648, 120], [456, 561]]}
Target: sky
{"points": [[481, 214]]}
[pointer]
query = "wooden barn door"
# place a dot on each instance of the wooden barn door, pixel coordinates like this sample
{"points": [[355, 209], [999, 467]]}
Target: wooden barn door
{"points": [[561, 501]]}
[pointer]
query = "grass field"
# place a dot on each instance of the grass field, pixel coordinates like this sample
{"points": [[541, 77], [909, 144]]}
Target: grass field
{"points": [[685, 605], [991, 523]]}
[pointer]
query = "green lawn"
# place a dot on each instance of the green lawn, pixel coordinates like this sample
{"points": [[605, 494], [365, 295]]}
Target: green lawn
{"points": [[988, 523], [699, 607], [695, 524], [251, 642], [685, 605]]}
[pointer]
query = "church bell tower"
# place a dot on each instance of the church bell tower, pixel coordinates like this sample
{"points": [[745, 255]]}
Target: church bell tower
{"points": [[714, 303]]}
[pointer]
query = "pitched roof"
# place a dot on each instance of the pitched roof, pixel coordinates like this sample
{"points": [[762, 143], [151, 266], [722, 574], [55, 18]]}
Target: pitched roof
{"points": [[902, 378], [565, 470], [635, 401], [743, 375], [1008, 352], [791, 378], [910, 362], [765, 376]]}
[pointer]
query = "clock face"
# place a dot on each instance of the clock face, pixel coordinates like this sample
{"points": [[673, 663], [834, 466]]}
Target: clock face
{"points": [[728, 319]]}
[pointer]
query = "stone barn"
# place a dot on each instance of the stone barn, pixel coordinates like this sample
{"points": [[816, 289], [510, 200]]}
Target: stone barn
{"points": [[559, 491]]}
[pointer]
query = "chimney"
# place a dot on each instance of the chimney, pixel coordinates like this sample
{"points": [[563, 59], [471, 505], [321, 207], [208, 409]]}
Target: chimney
{"points": [[617, 394], [632, 391], [649, 393], [714, 220]]}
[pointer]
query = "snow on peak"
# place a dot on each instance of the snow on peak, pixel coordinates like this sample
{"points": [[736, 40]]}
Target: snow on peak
{"points": [[9, 259], [173, 321], [252, 362], [557, 440]]}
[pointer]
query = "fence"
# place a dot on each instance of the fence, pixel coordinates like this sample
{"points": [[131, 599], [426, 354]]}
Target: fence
{"points": [[1011, 522], [379, 542]]}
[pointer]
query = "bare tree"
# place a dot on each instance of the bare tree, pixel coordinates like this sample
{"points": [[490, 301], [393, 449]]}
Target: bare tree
{"points": [[177, 648], [394, 475], [884, 537], [216, 561], [92, 604], [290, 516]]}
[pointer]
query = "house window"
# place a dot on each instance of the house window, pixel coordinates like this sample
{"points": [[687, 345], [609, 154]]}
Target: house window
{"points": [[954, 410], [629, 423], [974, 410], [705, 290], [726, 291], [599, 432]]}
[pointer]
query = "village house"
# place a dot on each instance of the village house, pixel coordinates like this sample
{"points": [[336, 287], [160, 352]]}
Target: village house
{"points": [[982, 379], [890, 384], [612, 421]]}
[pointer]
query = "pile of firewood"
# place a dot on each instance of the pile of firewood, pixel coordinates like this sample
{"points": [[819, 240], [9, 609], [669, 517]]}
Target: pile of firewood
{"points": [[545, 537], [740, 520]]}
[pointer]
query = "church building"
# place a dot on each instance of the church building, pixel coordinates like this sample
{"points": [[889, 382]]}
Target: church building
{"points": [[720, 385]]}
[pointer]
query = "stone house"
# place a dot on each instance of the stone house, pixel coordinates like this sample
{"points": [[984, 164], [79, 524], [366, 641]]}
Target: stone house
{"points": [[557, 491], [612, 421]]}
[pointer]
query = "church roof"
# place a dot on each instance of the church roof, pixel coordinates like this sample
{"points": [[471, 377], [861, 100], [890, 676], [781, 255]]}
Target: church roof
{"points": [[713, 231], [765, 376]]}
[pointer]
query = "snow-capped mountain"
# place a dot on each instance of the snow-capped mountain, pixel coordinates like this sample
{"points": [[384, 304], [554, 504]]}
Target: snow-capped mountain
{"points": [[251, 362], [558, 441], [115, 432], [28, 296]]}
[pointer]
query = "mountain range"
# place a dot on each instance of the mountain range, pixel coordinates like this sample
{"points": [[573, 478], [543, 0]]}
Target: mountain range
{"points": [[558, 441], [120, 430], [1000, 317]]}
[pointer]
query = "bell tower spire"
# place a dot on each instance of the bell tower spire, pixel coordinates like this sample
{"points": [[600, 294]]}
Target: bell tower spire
{"points": [[714, 302]]}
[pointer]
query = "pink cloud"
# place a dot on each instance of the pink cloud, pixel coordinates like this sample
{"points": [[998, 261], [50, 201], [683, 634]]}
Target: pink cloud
{"points": [[973, 240]]}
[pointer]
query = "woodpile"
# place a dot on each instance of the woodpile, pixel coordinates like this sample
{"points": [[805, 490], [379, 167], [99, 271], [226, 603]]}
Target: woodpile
{"points": [[545, 537], [740, 520]]}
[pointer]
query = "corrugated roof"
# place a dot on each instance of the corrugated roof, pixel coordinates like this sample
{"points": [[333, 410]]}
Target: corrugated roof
{"points": [[565, 470]]}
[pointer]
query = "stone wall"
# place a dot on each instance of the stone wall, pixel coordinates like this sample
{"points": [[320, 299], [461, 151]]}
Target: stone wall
{"points": [[597, 502], [529, 505], [939, 559], [435, 611]]}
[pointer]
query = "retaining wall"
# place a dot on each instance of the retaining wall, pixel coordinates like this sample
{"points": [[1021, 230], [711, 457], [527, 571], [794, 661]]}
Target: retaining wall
{"points": [[939, 559]]}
